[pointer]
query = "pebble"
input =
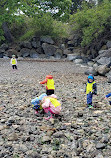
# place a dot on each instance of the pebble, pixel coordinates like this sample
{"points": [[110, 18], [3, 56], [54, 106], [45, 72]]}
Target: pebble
{"points": [[78, 132]]}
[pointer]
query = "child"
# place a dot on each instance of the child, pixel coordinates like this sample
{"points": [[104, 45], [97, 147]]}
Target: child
{"points": [[91, 89], [51, 105], [13, 62], [49, 84], [36, 103], [107, 96]]}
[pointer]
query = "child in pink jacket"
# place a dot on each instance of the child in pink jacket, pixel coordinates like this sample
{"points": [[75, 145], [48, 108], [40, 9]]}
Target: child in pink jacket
{"points": [[51, 105]]}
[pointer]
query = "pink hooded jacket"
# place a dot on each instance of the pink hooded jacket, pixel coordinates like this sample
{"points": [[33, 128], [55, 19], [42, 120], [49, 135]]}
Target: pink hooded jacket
{"points": [[48, 104]]}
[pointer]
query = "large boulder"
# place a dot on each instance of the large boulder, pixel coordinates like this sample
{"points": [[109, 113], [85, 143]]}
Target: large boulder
{"points": [[25, 52], [33, 54], [109, 79], [106, 53], [46, 39], [1, 55], [25, 44], [90, 63], [91, 70], [67, 51], [108, 74], [104, 61], [39, 50], [42, 56], [17, 48], [108, 44], [49, 50], [71, 57], [78, 61], [35, 44], [101, 52], [4, 46], [58, 54], [103, 69], [95, 66], [2, 51], [10, 52]]}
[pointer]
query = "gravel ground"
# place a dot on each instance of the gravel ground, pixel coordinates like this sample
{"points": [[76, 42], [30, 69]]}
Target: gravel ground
{"points": [[78, 132]]}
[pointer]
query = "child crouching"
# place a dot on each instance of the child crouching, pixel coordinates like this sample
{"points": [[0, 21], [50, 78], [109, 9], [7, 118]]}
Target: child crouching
{"points": [[36, 103], [51, 105]]}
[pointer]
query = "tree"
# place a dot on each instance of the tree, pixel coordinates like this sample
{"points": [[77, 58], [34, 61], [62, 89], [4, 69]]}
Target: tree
{"points": [[92, 22], [7, 10], [59, 10], [78, 4], [75, 5]]}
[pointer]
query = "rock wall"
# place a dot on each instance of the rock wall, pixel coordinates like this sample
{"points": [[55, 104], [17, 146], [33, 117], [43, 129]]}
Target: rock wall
{"points": [[43, 47]]}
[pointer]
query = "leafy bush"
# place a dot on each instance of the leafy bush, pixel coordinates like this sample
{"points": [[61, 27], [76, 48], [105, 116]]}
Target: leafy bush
{"points": [[60, 30], [45, 25], [18, 26], [91, 22], [2, 38]]}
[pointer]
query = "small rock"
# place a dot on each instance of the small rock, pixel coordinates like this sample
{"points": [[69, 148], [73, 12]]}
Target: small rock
{"points": [[58, 134], [46, 139], [78, 61], [3, 120], [80, 114], [100, 146], [99, 156], [13, 137]]}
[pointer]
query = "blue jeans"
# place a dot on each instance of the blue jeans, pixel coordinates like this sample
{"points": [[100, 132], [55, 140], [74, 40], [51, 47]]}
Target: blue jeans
{"points": [[89, 98]]}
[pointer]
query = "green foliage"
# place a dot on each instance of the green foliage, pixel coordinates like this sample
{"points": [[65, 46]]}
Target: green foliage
{"points": [[7, 10], [60, 30], [91, 22], [2, 38], [59, 10], [76, 4], [34, 9], [44, 25], [18, 26]]}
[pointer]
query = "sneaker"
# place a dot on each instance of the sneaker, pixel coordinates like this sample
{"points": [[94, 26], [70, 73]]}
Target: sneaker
{"points": [[90, 106]]}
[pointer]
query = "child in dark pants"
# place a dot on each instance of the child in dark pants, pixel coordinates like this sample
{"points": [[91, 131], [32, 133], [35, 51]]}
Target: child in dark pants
{"points": [[13, 62], [91, 89], [49, 84], [107, 96]]}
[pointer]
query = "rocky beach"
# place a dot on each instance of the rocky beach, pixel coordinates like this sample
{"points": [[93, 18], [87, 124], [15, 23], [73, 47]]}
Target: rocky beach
{"points": [[78, 132]]}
